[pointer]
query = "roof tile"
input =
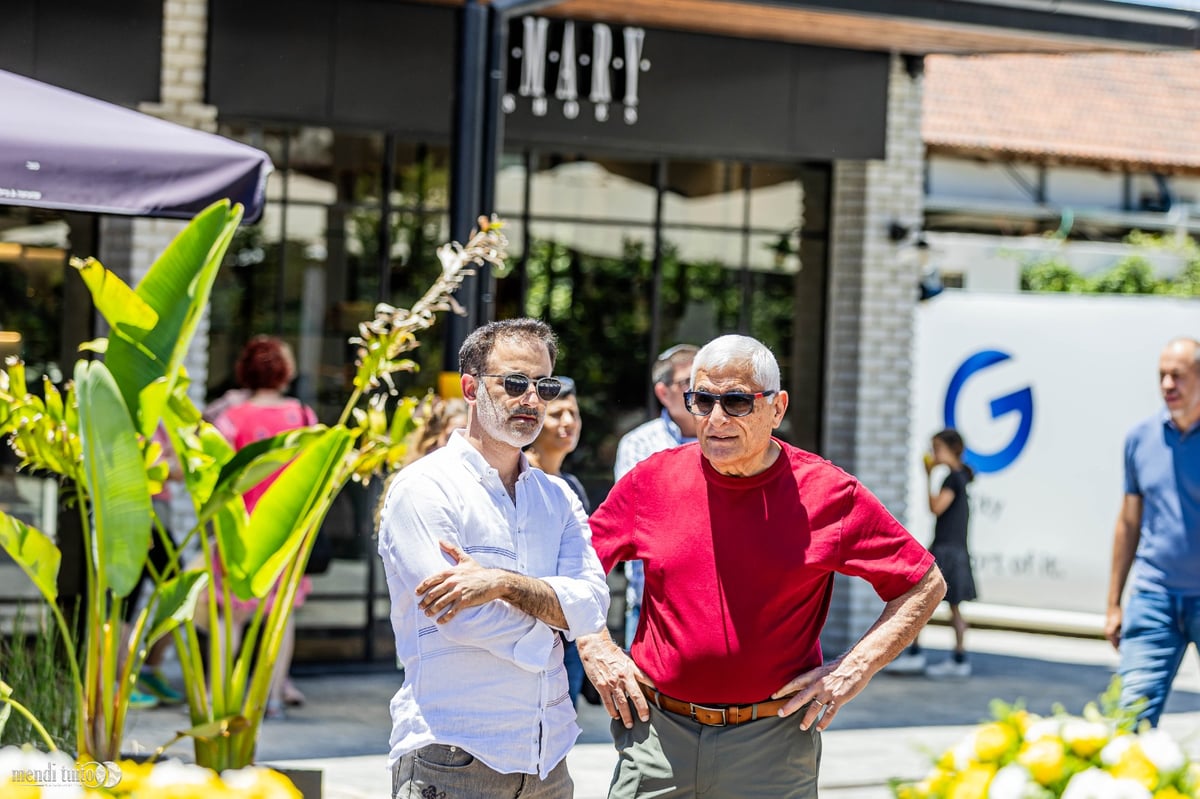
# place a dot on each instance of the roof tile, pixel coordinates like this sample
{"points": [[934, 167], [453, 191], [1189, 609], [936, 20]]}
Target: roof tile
{"points": [[1132, 110]]}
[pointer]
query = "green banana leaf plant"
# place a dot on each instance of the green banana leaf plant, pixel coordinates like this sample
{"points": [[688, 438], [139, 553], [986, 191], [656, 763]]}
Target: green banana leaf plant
{"points": [[97, 435]]}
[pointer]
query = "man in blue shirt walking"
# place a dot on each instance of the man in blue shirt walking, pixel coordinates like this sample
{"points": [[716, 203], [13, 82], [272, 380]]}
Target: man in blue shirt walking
{"points": [[1158, 536]]}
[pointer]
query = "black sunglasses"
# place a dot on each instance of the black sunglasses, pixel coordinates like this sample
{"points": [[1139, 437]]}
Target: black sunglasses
{"points": [[734, 403], [516, 385]]}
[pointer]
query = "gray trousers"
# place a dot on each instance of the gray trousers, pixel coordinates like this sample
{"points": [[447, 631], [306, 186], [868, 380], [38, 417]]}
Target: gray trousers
{"points": [[671, 757], [449, 772]]}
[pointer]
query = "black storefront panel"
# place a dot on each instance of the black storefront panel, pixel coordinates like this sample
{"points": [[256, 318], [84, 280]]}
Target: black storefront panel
{"points": [[380, 65], [108, 50], [694, 95], [352, 64]]}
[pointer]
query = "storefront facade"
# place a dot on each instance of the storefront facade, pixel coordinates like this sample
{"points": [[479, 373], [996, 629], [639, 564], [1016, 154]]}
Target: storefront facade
{"points": [[662, 179]]}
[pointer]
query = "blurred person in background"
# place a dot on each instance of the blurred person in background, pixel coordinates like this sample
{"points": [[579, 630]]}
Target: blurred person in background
{"points": [[265, 369], [558, 439], [951, 509], [1157, 537], [672, 427]]}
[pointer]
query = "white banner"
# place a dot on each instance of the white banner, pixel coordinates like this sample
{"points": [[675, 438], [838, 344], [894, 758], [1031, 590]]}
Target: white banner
{"points": [[1043, 389]]}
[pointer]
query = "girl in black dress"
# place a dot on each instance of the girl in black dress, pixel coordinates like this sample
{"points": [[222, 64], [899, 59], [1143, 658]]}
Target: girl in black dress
{"points": [[949, 547]]}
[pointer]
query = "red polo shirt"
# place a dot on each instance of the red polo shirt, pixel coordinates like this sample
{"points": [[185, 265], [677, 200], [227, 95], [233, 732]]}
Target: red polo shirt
{"points": [[739, 570]]}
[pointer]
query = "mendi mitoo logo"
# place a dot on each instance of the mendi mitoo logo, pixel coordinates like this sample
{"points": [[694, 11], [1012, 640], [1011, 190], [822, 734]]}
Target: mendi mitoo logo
{"points": [[51, 773]]}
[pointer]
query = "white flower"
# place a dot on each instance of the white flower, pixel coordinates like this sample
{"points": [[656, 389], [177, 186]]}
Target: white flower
{"points": [[53, 772], [175, 772], [1011, 782], [1043, 728], [1113, 750], [1085, 737], [1130, 789], [1161, 750], [964, 752], [1097, 784], [451, 259]]}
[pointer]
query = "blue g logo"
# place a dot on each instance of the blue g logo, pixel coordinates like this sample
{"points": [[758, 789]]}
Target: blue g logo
{"points": [[1020, 402]]}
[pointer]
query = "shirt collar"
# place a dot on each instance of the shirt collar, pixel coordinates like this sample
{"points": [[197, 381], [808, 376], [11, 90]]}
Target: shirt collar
{"points": [[674, 430], [473, 459]]}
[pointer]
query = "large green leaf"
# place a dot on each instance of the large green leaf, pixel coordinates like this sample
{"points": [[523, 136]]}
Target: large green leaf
{"points": [[122, 308], [34, 552], [177, 288], [252, 464], [229, 528], [176, 602], [115, 479], [274, 534]]}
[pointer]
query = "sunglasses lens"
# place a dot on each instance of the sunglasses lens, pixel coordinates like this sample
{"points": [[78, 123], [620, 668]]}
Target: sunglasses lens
{"points": [[737, 404], [700, 403], [516, 385], [549, 387]]}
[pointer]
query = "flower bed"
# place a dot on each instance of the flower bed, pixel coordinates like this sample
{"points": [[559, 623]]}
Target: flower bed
{"points": [[1098, 755], [30, 774]]}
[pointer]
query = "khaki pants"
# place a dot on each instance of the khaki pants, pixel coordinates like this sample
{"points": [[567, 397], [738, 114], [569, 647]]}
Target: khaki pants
{"points": [[671, 757], [449, 772]]}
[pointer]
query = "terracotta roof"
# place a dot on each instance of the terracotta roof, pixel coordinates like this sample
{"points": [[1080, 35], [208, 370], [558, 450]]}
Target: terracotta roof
{"points": [[1119, 110]]}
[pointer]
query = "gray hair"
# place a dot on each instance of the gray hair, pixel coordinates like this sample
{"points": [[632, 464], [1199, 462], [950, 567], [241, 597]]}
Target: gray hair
{"points": [[739, 352], [474, 353]]}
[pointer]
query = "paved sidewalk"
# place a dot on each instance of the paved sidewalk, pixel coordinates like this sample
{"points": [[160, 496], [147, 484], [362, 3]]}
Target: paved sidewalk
{"points": [[888, 731]]}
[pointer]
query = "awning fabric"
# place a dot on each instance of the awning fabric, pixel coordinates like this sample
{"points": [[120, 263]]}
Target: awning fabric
{"points": [[68, 151]]}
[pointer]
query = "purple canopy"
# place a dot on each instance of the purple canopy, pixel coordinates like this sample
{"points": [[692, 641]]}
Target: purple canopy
{"points": [[59, 149]]}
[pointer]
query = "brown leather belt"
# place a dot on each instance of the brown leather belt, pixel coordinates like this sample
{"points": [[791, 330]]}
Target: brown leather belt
{"points": [[714, 716]]}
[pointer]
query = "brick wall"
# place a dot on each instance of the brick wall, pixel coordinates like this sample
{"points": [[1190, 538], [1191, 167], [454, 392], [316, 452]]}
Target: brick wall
{"points": [[130, 246], [181, 94], [869, 357]]}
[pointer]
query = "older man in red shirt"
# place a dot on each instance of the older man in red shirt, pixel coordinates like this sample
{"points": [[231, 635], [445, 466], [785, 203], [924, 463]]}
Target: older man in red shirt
{"points": [[741, 535]]}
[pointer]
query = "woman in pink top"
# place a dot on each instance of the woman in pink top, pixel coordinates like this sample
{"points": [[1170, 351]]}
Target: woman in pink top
{"points": [[265, 368]]}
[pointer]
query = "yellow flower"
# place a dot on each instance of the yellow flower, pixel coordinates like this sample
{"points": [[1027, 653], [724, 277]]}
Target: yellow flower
{"points": [[973, 781], [1134, 765], [260, 783], [1170, 793], [19, 791], [1085, 738], [935, 782], [1045, 759], [1024, 719], [993, 741]]}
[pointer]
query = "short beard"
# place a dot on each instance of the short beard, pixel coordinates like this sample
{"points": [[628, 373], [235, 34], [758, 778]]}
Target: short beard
{"points": [[494, 420]]}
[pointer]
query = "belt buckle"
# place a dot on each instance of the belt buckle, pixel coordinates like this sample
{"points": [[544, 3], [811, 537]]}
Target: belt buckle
{"points": [[724, 718]]}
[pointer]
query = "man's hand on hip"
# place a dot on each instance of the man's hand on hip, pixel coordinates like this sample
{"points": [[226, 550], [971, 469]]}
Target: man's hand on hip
{"points": [[821, 693], [617, 678], [464, 585]]}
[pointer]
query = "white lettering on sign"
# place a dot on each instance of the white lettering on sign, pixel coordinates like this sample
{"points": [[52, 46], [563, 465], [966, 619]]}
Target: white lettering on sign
{"points": [[533, 62], [601, 94], [634, 38], [572, 58], [568, 89]]}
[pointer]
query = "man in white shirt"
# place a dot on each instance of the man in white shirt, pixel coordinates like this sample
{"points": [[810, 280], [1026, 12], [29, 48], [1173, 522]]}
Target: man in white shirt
{"points": [[487, 560], [672, 427]]}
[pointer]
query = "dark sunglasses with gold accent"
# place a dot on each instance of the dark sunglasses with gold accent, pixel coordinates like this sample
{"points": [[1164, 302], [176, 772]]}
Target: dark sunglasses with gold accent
{"points": [[734, 403], [516, 385]]}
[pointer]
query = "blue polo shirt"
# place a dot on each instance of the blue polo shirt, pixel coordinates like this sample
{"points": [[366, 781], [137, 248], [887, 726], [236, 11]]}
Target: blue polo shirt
{"points": [[1162, 466]]}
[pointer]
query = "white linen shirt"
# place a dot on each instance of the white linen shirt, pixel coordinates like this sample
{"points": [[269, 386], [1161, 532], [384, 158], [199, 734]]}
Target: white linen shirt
{"points": [[490, 681]]}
